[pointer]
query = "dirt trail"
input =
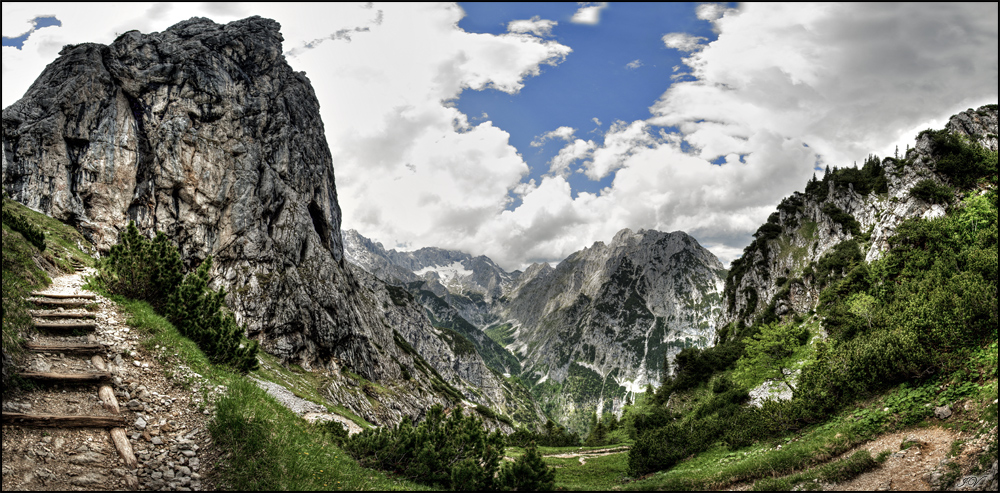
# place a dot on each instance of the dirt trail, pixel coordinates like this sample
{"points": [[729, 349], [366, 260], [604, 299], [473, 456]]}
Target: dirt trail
{"points": [[589, 454], [164, 425]]}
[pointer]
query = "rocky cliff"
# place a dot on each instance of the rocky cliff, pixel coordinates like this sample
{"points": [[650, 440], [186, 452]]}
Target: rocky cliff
{"points": [[470, 285], [777, 274], [596, 328], [586, 333], [204, 132]]}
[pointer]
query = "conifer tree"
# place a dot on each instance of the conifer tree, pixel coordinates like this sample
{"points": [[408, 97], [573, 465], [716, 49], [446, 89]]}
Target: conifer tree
{"points": [[528, 473]]}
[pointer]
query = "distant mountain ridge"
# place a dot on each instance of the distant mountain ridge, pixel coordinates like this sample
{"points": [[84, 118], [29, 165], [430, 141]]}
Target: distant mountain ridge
{"points": [[586, 333]]}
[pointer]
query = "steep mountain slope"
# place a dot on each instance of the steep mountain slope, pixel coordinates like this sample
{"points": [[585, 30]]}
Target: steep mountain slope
{"points": [[204, 132], [597, 327], [470, 285], [778, 272], [585, 333]]}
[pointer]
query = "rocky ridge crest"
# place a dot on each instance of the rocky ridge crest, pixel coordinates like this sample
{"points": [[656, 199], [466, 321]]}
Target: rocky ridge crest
{"points": [[808, 230], [203, 131]]}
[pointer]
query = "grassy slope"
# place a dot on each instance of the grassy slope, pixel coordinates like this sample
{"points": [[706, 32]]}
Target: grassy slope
{"points": [[272, 448], [25, 269]]}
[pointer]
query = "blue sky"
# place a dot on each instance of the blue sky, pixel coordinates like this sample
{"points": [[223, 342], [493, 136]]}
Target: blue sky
{"points": [[37, 23], [762, 95], [596, 81]]}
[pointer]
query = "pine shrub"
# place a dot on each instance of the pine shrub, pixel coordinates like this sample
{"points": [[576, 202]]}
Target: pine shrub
{"points": [[931, 192], [528, 473], [140, 269], [30, 232], [451, 452], [199, 314], [152, 271]]}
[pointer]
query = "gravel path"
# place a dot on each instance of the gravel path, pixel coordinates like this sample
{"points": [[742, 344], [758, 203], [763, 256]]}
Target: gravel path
{"points": [[309, 410]]}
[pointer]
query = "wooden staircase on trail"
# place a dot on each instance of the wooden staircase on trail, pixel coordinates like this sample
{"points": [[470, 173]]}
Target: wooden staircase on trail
{"points": [[55, 326]]}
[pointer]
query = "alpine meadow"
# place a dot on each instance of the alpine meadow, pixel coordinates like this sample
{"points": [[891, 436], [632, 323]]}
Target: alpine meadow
{"points": [[500, 246]]}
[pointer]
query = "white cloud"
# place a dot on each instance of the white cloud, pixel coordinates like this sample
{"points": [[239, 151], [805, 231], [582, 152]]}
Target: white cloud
{"points": [[536, 25], [589, 13], [844, 80], [712, 11], [412, 170], [575, 151], [634, 64], [683, 41], [620, 142], [563, 133]]}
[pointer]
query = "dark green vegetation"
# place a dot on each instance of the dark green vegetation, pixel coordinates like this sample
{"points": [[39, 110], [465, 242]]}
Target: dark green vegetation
{"points": [[462, 336], [151, 271], [932, 192], [913, 330], [450, 452], [553, 435], [963, 163]]}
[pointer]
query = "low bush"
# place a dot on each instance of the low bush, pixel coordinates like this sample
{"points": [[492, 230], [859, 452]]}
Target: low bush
{"points": [[17, 223], [151, 271], [932, 192], [528, 473], [451, 452]]}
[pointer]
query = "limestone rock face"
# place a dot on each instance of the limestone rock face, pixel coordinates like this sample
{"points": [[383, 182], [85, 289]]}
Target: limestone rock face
{"points": [[808, 232], [204, 132], [585, 334], [595, 329]]}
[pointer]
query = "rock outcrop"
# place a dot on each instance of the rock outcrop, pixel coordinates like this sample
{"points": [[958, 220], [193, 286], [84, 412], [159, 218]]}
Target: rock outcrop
{"points": [[587, 333], [774, 273], [203, 131], [594, 330]]}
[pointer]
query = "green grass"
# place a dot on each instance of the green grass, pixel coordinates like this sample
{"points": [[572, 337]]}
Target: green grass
{"points": [[834, 472], [158, 332], [273, 449], [599, 474]]}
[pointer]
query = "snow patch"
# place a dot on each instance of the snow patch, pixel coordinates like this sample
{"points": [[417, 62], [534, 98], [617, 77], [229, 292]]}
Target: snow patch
{"points": [[446, 272]]}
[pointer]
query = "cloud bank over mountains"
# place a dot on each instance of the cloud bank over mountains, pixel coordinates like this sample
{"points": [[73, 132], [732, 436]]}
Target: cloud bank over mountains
{"points": [[783, 89]]}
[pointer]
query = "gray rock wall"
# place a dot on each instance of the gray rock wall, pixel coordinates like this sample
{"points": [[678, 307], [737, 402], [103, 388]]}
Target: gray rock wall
{"points": [[204, 132], [795, 249]]}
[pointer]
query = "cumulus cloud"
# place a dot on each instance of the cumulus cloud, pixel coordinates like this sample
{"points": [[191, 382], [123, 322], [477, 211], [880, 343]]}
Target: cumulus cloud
{"points": [[536, 25], [683, 41], [844, 80], [573, 152], [620, 142], [563, 133], [712, 11], [634, 64], [589, 13], [784, 89]]}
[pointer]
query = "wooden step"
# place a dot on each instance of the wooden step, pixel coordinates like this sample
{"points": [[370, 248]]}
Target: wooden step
{"points": [[65, 327], [58, 421], [66, 348], [66, 378], [65, 296], [59, 303], [38, 314]]}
